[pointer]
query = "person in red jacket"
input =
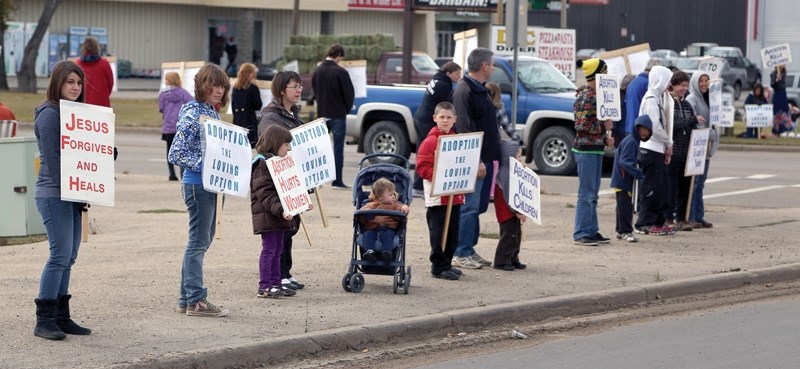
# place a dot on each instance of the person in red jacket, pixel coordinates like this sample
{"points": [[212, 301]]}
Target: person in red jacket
{"points": [[99, 78], [441, 257]]}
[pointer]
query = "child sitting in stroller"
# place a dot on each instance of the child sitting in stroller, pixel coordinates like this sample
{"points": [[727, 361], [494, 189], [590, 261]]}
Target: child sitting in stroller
{"points": [[380, 229]]}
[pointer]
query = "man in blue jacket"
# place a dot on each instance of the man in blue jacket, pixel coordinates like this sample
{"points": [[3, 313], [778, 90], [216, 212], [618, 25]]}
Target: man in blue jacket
{"points": [[624, 172]]}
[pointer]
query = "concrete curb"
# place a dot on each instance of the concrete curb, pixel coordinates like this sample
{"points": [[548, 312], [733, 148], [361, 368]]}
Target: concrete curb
{"points": [[340, 339], [770, 148]]}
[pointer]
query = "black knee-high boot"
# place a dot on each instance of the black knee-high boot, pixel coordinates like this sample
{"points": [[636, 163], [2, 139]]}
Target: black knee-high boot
{"points": [[63, 320], [46, 326]]}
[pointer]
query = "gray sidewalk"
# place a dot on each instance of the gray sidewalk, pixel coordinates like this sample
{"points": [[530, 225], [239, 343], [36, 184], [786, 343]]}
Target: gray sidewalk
{"points": [[125, 283]]}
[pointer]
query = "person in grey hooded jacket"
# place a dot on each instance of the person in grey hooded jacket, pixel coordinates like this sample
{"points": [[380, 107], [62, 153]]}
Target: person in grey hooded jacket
{"points": [[698, 98]]}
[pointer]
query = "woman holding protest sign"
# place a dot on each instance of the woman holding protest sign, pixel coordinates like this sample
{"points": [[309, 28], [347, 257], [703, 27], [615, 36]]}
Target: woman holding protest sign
{"points": [[246, 101], [62, 219], [211, 87], [684, 122], [782, 119], [284, 111], [698, 98]]}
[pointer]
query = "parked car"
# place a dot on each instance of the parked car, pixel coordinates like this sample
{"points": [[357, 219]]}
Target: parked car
{"points": [[793, 87], [667, 57], [389, 71], [736, 59], [584, 54], [383, 122], [698, 49], [734, 77]]}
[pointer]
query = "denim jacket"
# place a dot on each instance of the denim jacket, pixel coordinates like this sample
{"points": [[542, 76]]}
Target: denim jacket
{"points": [[187, 147]]}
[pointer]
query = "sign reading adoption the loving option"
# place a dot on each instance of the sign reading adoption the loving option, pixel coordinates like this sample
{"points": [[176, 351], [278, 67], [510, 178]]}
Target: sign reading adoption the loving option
{"points": [[774, 56], [715, 102], [311, 147], [758, 115], [456, 167], [608, 97], [524, 191], [288, 181], [227, 158], [696, 159], [87, 153]]}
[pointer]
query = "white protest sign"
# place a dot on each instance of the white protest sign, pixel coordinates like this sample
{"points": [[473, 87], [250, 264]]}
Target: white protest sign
{"points": [[186, 70], [696, 159], [715, 101], [288, 181], [637, 61], [292, 66], [758, 115], [726, 116], [524, 191], [465, 42], [358, 75], [608, 97], [312, 149], [227, 158], [456, 167], [616, 66], [555, 45], [774, 56], [87, 153], [712, 67]]}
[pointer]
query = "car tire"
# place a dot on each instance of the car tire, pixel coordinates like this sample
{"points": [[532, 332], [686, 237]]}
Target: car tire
{"points": [[552, 151], [737, 90], [386, 137]]}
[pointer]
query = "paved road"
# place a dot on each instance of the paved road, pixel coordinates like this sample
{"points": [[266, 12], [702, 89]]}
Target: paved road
{"points": [[761, 334]]}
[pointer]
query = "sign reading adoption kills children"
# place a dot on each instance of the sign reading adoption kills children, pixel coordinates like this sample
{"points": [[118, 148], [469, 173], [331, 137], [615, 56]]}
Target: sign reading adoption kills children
{"points": [[524, 191], [227, 158], [608, 97], [456, 167], [311, 147], [758, 115], [698, 146], [715, 102], [774, 56], [87, 153], [288, 181]]}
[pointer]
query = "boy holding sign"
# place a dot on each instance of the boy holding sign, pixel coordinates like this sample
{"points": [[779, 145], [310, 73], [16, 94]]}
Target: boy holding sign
{"points": [[441, 257]]}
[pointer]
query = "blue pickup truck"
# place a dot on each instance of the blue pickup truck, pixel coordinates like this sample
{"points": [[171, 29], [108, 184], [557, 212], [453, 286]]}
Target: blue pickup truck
{"points": [[383, 122]]}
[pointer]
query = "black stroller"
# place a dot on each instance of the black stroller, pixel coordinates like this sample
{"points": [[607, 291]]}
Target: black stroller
{"points": [[353, 280]]}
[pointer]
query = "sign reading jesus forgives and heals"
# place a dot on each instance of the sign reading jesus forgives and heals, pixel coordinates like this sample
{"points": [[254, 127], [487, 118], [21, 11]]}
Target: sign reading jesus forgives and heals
{"points": [[456, 167], [227, 158]]}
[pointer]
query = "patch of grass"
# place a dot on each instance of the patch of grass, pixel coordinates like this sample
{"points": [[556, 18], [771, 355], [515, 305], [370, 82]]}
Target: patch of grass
{"points": [[658, 277], [494, 236], [161, 211], [739, 127], [569, 205], [10, 241]]}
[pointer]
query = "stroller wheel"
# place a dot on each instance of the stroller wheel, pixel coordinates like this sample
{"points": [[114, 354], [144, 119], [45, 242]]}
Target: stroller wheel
{"points": [[357, 283], [395, 283], [407, 281], [346, 282]]}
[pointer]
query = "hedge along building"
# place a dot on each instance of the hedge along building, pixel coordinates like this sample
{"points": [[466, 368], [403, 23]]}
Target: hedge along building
{"points": [[150, 32]]}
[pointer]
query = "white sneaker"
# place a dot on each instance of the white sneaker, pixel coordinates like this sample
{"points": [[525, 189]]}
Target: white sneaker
{"points": [[465, 262], [627, 237], [478, 259]]}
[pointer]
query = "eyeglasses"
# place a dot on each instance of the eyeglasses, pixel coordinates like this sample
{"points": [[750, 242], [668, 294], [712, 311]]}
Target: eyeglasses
{"points": [[298, 87]]}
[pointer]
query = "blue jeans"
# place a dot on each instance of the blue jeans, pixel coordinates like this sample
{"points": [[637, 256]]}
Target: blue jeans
{"points": [[590, 170], [337, 128], [202, 207], [475, 204], [62, 222], [383, 236], [697, 212]]}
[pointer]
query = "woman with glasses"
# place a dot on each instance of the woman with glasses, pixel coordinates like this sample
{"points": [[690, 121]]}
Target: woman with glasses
{"points": [[284, 110]]}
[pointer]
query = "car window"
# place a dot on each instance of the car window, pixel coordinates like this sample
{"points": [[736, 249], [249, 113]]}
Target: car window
{"points": [[393, 65], [790, 80], [747, 63], [500, 76]]}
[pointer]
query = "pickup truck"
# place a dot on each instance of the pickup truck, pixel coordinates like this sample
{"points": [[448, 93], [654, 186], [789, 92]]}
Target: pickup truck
{"points": [[389, 71], [383, 122]]}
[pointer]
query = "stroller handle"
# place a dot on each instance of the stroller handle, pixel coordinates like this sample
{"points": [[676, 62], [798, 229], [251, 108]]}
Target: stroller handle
{"points": [[402, 159]]}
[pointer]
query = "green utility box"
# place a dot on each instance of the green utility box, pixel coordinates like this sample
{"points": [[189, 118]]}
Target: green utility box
{"points": [[20, 167]]}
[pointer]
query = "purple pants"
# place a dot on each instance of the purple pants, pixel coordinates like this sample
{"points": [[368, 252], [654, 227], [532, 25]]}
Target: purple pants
{"points": [[269, 264]]}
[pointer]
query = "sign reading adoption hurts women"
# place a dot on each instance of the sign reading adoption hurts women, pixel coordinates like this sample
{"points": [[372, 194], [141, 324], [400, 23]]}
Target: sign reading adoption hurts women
{"points": [[456, 167], [608, 97], [696, 159], [87, 153], [524, 191], [226, 159], [774, 56], [715, 102], [312, 149], [288, 181], [758, 115]]}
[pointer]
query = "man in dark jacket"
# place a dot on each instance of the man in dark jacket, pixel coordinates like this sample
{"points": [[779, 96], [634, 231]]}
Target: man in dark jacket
{"points": [[334, 93], [475, 112]]}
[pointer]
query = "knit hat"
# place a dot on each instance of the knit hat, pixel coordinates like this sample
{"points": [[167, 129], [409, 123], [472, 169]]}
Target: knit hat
{"points": [[591, 67]]}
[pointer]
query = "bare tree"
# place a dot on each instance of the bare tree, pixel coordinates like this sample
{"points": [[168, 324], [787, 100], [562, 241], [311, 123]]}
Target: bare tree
{"points": [[27, 75], [6, 9]]}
